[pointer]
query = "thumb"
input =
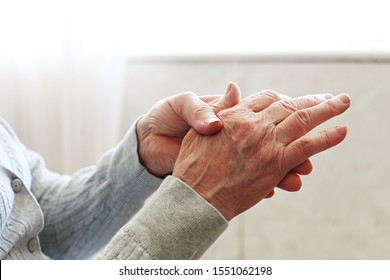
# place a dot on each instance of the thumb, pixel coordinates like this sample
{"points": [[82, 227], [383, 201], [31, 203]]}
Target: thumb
{"points": [[195, 113], [207, 122], [231, 98], [201, 116]]}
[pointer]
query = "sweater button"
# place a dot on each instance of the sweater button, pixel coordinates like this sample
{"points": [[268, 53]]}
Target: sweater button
{"points": [[16, 185], [32, 244]]}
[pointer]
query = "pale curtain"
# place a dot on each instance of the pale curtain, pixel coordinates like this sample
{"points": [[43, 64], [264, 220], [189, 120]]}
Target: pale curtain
{"points": [[62, 76]]}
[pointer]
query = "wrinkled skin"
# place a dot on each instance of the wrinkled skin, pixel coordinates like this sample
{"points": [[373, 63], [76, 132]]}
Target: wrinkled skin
{"points": [[261, 144], [161, 131]]}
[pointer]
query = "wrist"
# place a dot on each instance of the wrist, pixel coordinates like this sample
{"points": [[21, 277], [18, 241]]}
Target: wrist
{"points": [[150, 153], [209, 191]]}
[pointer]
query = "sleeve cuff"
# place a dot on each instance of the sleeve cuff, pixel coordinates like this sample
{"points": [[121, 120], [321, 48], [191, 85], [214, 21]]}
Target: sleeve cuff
{"points": [[176, 223]]}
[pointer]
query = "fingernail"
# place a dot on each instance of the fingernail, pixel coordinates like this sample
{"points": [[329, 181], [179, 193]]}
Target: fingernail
{"points": [[342, 130], [344, 98], [212, 120]]}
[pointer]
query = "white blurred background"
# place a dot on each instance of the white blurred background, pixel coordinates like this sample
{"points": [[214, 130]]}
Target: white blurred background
{"points": [[74, 75]]}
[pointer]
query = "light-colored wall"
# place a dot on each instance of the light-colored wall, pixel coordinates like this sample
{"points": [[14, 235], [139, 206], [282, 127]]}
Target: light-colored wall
{"points": [[343, 210]]}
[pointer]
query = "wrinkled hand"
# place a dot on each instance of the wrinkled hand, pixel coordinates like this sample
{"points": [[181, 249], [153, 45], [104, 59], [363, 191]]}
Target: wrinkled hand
{"points": [[161, 131], [262, 144]]}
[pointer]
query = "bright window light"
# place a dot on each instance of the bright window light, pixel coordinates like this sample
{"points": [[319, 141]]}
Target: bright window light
{"points": [[198, 26]]}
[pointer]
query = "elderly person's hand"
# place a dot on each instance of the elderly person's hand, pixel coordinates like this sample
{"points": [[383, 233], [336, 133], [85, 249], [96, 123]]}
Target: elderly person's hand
{"points": [[162, 129], [260, 143]]}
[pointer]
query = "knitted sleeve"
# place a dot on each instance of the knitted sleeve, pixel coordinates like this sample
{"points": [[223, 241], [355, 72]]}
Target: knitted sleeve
{"points": [[103, 206], [83, 211]]}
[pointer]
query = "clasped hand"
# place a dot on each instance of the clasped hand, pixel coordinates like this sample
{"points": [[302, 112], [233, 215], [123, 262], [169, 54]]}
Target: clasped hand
{"points": [[234, 153], [261, 145]]}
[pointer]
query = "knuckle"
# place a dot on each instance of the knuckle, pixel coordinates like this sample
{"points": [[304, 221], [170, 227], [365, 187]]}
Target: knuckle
{"points": [[188, 95], [289, 105], [181, 98], [195, 102], [332, 107], [327, 138], [320, 98], [186, 104], [200, 108], [224, 113], [304, 118], [271, 94]]}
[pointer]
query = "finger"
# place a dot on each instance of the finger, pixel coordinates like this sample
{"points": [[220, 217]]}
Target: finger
{"points": [[291, 182], [261, 100], [271, 194], [278, 111], [200, 113], [309, 145], [231, 98], [304, 168], [302, 121], [196, 113]]}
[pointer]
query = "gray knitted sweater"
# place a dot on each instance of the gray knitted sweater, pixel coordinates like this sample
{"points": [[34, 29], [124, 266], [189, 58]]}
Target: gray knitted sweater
{"points": [[112, 210]]}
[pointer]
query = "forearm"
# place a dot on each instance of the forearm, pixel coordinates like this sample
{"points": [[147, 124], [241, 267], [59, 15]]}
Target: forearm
{"points": [[84, 211], [176, 223]]}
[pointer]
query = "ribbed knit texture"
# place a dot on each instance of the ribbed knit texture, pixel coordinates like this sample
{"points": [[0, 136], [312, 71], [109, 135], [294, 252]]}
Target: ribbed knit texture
{"points": [[98, 209], [185, 228]]}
